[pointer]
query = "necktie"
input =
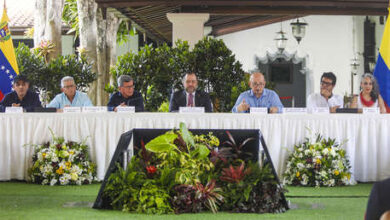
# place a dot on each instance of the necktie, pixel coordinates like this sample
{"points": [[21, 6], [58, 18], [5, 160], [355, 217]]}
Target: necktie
{"points": [[190, 102]]}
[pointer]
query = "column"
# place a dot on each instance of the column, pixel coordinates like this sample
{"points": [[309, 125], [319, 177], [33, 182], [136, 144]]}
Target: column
{"points": [[187, 26]]}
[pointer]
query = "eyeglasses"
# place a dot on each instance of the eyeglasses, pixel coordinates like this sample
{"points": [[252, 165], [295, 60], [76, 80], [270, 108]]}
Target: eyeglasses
{"points": [[323, 83], [367, 83], [128, 87], [69, 87], [257, 84]]}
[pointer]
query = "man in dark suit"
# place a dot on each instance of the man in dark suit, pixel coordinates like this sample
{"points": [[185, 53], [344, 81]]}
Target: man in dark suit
{"points": [[379, 200], [190, 97]]}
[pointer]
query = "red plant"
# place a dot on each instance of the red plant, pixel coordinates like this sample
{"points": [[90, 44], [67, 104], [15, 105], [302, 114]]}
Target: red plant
{"points": [[151, 169], [209, 195], [221, 154], [234, 174], [238, 149], [145, 155]]}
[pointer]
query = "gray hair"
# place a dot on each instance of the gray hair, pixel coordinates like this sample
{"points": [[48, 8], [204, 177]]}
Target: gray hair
{"points": [[124, 78], [66, 79], [375, 87]]}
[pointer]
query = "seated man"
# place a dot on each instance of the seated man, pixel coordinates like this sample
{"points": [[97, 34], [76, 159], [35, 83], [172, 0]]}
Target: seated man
{"points": [[258, 96], [21, 96], [126, 95], [69, 97], [326, 98], [378, 205], [190, 97]]}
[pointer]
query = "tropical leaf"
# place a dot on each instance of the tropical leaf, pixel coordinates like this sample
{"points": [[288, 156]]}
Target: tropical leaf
{"points": [[163, 143], [187, 137]]}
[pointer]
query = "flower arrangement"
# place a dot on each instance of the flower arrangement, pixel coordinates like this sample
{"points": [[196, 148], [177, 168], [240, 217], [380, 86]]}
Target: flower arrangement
{"points": [[62, 163], [179, 172], [322, 163]]}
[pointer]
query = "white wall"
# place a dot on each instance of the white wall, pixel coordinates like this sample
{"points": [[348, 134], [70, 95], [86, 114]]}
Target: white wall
{"points": [[131, 45], [67, 44], [329, 41]]}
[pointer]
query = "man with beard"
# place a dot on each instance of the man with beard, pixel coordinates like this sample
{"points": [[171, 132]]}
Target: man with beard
{"points": [[190, 96], [258, 96], [326, 98]]}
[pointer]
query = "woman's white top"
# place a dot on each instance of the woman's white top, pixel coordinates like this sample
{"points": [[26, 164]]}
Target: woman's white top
{"points": [[360, 104]]}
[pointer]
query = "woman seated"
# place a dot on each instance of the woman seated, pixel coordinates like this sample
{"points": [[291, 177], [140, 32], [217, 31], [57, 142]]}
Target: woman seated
{"points": [[369, 96]]}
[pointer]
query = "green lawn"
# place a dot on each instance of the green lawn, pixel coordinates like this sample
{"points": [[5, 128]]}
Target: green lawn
{"points": [[19, 200]]}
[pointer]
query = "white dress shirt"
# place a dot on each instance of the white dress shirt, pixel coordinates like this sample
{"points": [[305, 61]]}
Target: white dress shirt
{"points": [[316, 100]]}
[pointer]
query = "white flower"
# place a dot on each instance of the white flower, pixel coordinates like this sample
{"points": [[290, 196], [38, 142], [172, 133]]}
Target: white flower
{"points": [[340, 165], [325, 151], [300, 166], [305, 179], [53, 182], [45, 181], [54, 158], [333, 152], [307, 152], [67, 176], [64, 180], [76, 169]]}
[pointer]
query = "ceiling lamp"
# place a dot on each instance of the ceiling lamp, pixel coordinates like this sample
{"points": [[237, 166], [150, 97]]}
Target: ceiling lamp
{"points": [[281, 40], [298, 29]]}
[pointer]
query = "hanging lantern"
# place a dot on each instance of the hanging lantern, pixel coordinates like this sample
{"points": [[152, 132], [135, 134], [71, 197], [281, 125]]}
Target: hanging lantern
{"points": [[281, 40], [298, 29]]}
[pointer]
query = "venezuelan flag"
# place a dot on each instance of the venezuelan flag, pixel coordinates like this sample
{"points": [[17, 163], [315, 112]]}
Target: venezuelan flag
{"points": [[8, 66], [382, 71]]}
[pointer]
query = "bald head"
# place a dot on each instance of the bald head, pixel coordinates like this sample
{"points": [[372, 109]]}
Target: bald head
{"points": [[256, 75], [257, 83]]}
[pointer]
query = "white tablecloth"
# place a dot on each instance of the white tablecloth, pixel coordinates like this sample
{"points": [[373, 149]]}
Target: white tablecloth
{"points": [[367, 136]]}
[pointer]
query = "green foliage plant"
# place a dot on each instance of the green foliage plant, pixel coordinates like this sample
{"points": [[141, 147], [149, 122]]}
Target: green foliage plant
{"points": [[174, 172], [179, 149], [46, 77], [154, 71], [158, 72], [218, 71]]}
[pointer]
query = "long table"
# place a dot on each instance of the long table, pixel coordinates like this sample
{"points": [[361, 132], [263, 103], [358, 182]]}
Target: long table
{"points": [[366, 137]]}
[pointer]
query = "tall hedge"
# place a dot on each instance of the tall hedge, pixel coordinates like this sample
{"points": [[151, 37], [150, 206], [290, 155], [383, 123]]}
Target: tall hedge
{"points": [[158, 71]]}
